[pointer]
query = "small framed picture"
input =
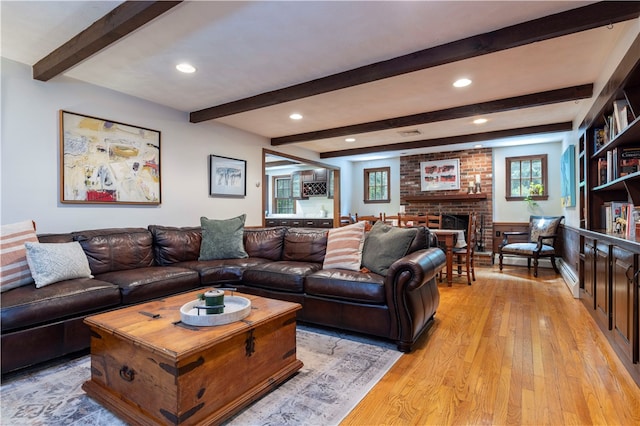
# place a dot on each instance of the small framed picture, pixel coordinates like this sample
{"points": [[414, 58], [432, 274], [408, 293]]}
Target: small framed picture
{"points": [[227, 177]]}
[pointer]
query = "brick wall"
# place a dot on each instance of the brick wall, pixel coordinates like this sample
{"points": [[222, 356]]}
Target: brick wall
{"points": [[472, 162]]}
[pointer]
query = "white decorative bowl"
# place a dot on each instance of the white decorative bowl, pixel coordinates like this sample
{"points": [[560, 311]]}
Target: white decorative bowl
{"points": [[235, 309]]}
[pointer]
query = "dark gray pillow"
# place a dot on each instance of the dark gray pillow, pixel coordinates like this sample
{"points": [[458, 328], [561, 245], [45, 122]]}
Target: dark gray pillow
{"points": [[384, 245], [222, 239]]}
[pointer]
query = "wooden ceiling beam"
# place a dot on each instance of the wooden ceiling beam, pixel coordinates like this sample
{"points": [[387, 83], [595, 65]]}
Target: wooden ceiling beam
{"points": [[453, 140], [564, 23], [121, 21], [501, 105]]}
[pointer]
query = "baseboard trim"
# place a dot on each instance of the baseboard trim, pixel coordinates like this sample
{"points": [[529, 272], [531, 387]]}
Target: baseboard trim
{"points": [[570, 278]]}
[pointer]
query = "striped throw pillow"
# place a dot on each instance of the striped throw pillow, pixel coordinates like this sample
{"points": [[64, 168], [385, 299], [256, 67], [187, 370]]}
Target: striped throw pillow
{"points": [[14, 270], [344, 247]]}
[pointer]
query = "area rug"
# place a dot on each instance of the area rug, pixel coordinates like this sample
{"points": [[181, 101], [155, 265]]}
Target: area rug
{"points": [[339, 370]]}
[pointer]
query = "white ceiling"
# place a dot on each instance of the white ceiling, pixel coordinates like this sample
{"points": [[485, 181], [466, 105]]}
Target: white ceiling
{"points": [[241, 49]]}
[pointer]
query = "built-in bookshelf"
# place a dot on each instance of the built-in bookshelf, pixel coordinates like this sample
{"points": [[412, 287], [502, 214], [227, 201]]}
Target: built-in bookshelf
{"points": [[609, 191], [610, 157]]}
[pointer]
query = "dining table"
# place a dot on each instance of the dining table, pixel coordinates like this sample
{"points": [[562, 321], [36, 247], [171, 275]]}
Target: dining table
{"points": [[452, 238]]}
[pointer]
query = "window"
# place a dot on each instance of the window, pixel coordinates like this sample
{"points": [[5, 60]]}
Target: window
{"points": [[524, 174], [283, 203], [376, 185]]}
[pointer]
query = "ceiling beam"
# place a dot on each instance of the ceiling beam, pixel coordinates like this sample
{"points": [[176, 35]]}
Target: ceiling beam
{"points": [[124, 19], [453, 140], [501, 105], [560, 24]]}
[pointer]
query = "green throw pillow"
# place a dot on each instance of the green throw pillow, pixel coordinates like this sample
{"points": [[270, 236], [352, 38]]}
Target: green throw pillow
{"points": [[384, 245], [222, 239]]}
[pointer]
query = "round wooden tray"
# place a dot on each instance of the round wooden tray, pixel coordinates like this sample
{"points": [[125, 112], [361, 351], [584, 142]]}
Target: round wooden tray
{"points": [[235, 309]]}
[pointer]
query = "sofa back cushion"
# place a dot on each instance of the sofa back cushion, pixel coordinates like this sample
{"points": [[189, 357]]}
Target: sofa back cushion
{"points": [[173, 245], [116, 249], [305, 244], [266, 243]]}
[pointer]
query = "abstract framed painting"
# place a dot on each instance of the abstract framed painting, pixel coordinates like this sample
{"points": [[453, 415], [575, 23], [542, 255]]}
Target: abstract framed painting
{"points": [[440, 175], [227, 177], [107, 162]]}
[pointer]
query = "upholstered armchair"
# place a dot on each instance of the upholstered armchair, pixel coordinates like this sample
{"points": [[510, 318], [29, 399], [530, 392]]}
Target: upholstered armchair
{"points": [[542, 237]]}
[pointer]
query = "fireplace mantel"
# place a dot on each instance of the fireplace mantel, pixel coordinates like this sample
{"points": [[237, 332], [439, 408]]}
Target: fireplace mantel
{"points": [[446, 197]]}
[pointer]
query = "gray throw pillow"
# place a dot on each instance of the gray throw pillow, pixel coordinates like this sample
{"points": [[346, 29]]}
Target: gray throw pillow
{"points": [[222, 239], [384, 245]]}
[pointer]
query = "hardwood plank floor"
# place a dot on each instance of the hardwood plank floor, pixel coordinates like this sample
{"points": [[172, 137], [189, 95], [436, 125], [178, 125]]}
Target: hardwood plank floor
{"points": [[507, 350]]}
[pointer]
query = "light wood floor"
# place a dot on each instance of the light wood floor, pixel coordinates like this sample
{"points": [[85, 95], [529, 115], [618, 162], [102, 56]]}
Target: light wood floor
{"points": [[508, 350]]}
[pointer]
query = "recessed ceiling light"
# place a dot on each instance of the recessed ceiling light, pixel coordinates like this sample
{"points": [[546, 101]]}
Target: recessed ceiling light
{"points": [[478, 146], [296, 116], [350, 140], [186, 68], [480, 121], [463, 82]]}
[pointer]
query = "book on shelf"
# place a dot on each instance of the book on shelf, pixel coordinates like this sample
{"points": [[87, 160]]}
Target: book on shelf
{"points": [[616, 214], [598, 139], [629, 161], [602, 171]]}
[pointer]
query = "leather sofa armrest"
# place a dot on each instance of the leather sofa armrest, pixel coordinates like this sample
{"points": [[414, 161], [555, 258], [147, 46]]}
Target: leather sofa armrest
{"points": [[412, 294]]}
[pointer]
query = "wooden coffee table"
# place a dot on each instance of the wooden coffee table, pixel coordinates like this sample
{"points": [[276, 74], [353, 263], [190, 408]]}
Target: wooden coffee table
{"points": [[149, 368]]}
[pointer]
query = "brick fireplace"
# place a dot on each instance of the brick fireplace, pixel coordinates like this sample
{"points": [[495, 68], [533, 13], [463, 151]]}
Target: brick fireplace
{"points": [[454, 205]]}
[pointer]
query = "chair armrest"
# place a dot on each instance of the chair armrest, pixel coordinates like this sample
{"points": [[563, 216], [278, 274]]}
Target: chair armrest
{"points": [[541, 239], [506, 235]]}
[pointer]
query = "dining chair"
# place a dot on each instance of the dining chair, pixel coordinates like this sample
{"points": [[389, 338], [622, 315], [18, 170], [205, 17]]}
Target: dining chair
{"points": [[407, 221], [370, 219], [465, 256], [542, 238], [434, 221], [394, 220], [346, 220]]}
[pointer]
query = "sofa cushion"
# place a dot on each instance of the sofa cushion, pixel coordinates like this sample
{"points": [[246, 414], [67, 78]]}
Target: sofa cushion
{"points": [[172, 245], [344, 247], [221, 270], [222, 239], [138, 285], [116, 249], [53, 262], [346, 285], [266, 243], [14, 270], [29, 306], [284, 275], [305, 244], [384, 245]]}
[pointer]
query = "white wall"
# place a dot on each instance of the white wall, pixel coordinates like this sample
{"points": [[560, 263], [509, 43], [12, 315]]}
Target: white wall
{"points": [[357, 187], [518, 211], [29, 156]]}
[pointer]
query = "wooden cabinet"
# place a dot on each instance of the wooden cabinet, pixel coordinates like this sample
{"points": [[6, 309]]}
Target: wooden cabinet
{"points": [[587, 293], [625, 326], [609, 262], [299, 222], [296, 186], [602, 285]]}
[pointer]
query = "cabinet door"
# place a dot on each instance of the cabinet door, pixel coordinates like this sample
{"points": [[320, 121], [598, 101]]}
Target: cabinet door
{"points": [[625, 320], [602, 285], [589, 271], [296, 186]]}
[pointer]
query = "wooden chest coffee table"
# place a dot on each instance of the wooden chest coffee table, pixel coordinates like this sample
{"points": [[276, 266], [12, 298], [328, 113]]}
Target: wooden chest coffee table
{"points": [[150, 368]]}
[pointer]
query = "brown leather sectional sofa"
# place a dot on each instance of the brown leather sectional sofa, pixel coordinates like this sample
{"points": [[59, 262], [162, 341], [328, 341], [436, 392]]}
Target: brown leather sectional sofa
{"points": [[133, 265]]}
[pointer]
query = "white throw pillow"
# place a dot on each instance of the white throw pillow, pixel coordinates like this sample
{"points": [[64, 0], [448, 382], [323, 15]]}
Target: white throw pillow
{"points": [[344, 247], [53, 262]]}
